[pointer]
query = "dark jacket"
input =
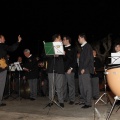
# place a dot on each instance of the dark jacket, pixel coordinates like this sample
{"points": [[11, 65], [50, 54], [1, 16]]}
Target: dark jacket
{"points": [[31, 64], [98, 68], [86, 60], [3, 51], [70, 58], [43, 74], [56, 64]]}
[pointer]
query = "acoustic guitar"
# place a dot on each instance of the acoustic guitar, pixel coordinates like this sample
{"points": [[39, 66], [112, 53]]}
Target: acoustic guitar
{"points": [[3, 63]]}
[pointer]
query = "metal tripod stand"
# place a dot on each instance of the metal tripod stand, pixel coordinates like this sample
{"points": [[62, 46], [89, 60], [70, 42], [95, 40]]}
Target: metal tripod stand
{"points": [[52, 100], [19, 69], [10, 93], [105, 92]]}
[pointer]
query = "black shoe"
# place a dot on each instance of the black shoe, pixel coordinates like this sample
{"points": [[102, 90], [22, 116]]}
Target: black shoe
{"points": [[71, 102], [32, 99], [65, 100], [81, 103], [62, 105], [86, 106], [95, 98], [77, 103], [2, 104]]}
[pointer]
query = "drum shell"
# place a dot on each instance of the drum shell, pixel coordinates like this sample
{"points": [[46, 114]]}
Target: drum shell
{"points": [[25, 90], [113, 79]]}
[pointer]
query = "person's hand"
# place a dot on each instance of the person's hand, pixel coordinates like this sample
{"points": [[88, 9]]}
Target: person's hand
{"points": [[19, 38], [82, 71], [56, 55], [69, 71], [25, 69], [42, 83], [24, 77], [64, 52]]}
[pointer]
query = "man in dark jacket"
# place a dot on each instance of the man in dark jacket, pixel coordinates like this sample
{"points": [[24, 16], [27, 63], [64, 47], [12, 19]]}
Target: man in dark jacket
{"points": [[69, 65], [86, 67], [3, 65], [31, 73], [55, 71]]}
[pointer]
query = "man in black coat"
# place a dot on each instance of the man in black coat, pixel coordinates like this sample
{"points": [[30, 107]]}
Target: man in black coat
{"points": [[3, 65], [55, 71], [86, 67], [70, 60], [31, 73]]}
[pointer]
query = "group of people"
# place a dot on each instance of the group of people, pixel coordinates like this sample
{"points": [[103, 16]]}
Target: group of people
{"points": [[59, 71]]}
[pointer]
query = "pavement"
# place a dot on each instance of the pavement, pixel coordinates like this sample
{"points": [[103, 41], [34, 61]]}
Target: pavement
{"points": [[25, 109]]}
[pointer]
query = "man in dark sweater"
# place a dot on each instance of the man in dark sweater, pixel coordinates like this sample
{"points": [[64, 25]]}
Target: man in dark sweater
{"points": [[69, 65], [3, 56], [86, 67], [55, 71], [31, 73]]}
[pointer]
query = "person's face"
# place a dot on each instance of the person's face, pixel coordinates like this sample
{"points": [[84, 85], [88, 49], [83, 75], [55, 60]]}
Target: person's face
{"points": [[117, 48], [78, 55], [27, 54], [41, 64], [19, 59], [58, 39], [80, 40], [2, 39], [65, 41], [8, 56], [94, 53]]}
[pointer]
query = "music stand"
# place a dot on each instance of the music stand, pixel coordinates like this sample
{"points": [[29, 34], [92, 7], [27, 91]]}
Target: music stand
{"points": [[105, 92], [115, 58], [12, 68], [53, 48], [19, 69]]}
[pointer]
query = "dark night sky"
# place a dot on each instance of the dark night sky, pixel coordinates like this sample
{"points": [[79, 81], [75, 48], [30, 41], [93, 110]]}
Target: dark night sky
{"points": [[38, 21]]}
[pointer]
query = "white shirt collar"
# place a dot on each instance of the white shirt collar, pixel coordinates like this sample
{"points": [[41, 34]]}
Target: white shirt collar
{"points": [[68, 45], [83, 44]]}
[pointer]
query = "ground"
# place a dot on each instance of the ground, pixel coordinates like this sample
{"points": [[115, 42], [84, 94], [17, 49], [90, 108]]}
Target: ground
{"points": [[25, 109]]}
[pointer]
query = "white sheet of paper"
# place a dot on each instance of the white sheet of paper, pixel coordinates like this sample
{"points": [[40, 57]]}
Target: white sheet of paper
{"points": [[17, 64], [115, 58], [58, 48]]}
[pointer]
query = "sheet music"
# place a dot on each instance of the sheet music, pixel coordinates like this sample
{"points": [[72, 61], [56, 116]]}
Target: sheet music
{"points": [[115, 58], [12, 67], [17, 64], [58, 48]]}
